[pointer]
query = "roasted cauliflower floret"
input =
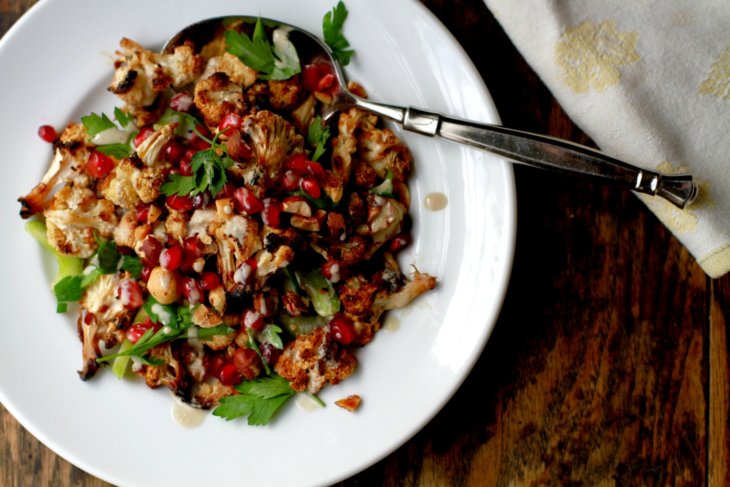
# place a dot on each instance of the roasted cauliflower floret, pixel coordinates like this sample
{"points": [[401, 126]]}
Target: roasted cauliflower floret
{"points": [[312, 361], [273, 141], [71, 154], [238, 73], [345, 144], [385, 218], [237, 239], [217, 96], [384, 152], [140, 75], [102, 317], [74, 217], [150, 150], [284, 93], [128, 186]]}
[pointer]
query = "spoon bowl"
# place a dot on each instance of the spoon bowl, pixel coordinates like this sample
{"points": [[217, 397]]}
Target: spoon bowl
{"points": [[527, 148]]}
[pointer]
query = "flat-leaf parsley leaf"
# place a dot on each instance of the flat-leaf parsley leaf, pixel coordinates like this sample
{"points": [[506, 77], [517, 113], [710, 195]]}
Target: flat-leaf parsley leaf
{"points": [[332, 28], [277, 62], [259, 400]]}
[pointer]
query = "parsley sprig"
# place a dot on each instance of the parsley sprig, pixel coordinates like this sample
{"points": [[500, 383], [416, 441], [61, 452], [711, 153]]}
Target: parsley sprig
{"points": [[277, 61], [318, 134], [259, 400], [332, 29], [209, 173]]}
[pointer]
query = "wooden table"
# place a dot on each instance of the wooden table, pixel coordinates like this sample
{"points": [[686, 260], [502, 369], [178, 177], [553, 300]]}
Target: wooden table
{"points": [[609, 362]]}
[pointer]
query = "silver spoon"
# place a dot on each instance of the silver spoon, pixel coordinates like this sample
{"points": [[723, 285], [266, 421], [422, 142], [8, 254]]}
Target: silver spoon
{"points": [[523, 147]]}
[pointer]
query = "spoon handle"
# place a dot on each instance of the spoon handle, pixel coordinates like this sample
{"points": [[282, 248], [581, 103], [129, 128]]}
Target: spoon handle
{"points": [[542, 152]]}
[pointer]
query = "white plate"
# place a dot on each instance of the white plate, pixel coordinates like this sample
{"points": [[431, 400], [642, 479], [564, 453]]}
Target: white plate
{"points": [[55, 65]]}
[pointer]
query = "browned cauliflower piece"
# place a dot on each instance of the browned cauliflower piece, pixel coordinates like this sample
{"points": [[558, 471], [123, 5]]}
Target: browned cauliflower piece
{"points": [[140, 75], [238, 239], [273, 141], [102, 318], [171, 374], [384, 152], [284, 94], [128, 185], [217, 96], [304, 114], [71, 153], [385, 218], [345, 144], [73, 218], [150, 150], [237, 72], [312, 361]]}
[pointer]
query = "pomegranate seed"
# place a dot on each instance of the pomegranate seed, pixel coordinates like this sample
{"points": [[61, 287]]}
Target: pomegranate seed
{"points": [[247, 363], [342, 329], [399, 242], [196, 141], [47, 133], [200, 200], [230, 122], [135, 332], [226, 191], [142, 136], [237, 148], [325, 82], [186, 169], [130, 294], [142, 213], [99, 165], [191, 246], [310, 186], [144, 275], [179, 203], [173, 152], [247, 201], [181, 102], [301, 165], [209, 281], [253, 319], [311, 76], [214, 364], [171, 257], [150, 251], [191, 290], [290, 181], [271, 214], [228, 374]]}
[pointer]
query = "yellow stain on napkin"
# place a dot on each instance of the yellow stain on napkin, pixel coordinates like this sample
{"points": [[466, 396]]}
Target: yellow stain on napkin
{"points": [[590, 55], [717, 83]]}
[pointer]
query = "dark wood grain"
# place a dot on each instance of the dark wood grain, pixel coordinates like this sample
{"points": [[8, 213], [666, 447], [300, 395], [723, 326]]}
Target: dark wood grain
{"points": [[608, 364]]}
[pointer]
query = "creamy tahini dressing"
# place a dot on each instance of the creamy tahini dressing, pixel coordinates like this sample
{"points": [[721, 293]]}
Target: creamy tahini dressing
{"points": [[436, 201], [187, 416], [111, 135], [391, 324]]}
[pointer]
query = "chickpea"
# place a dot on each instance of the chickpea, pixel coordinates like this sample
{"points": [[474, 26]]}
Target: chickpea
{"points": [[163, 285]]}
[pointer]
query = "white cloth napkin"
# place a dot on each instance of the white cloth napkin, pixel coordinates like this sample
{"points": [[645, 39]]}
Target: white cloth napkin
{"points": [[649, 82]]}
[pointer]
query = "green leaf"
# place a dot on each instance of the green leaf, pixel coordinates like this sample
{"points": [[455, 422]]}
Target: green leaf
{"points": [[179, 185], [132, 264], [108, 256], [209, 173], [270, 333], [317, 135], [165, 314], [266, 387], [122, 117], [120, 151], [95, 124], [259, 400], [332, 24], [277, 62], [88, 278], [69, 289]]}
